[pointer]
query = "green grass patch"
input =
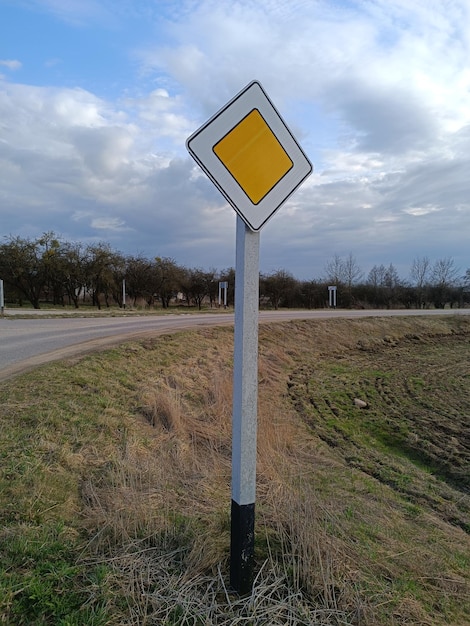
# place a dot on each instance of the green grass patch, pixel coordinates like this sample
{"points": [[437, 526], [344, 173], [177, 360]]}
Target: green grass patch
{"points": [[42, 580]]}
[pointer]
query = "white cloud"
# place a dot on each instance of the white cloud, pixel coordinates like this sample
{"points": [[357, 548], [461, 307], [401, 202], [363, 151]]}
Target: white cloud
{"points": [[108, 223], [419, 211], [11, 64], [163, 117]]}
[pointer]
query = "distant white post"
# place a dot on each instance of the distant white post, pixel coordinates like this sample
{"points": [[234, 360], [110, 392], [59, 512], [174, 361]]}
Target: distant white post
{"points": [[2, 298], [332, 296], [223, 286]]}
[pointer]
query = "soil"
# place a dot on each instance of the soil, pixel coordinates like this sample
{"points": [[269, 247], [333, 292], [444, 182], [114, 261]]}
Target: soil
{"points": [[409, 397]]}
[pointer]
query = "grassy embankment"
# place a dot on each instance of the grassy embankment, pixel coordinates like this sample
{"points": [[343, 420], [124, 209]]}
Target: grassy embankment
{"points": [[115, 480]]}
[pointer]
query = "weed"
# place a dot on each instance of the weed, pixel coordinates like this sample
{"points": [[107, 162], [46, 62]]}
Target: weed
{"points": [[40, 580]]}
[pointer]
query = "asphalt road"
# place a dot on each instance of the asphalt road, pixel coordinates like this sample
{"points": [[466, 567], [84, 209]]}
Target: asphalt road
{"points": [[27, 343]]}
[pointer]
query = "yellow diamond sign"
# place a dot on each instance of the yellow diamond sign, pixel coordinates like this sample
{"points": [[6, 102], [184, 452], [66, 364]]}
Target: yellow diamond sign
{"points": [[250, 155], [254, 156]]}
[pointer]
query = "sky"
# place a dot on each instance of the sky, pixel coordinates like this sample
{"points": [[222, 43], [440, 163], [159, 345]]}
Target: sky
{"points": [[98, 98]]}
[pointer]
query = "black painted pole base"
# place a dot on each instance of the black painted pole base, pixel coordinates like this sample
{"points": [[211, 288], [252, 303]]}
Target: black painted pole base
{"points": [[242, 547]]}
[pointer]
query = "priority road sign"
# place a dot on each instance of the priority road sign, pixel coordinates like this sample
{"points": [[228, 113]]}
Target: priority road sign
{"points": [[249, 153]]}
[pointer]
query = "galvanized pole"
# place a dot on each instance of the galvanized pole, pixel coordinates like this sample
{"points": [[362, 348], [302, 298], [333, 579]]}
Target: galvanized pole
{"points": [[245, 404], [2, 298]]}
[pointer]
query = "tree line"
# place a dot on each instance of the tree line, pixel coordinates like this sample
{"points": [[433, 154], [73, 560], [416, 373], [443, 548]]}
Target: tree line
{"points": [[50, 270]]}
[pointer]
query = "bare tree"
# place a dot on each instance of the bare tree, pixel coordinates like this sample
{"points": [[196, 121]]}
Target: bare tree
{"points": [[24, 265], [73, 263], [139, 278], [444, 276], [376, 280], [193, 284], [353, 273], [335, 272], [420, 275], [344, 273], [99, 272], [392, 283], [376, 277], [385, 283], [466, 279], [169, 277], [445, 272], [278, 287]]}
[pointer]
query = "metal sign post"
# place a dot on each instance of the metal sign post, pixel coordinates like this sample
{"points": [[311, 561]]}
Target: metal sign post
{"points": [[245, 407], [252, 157], [2, 298]]}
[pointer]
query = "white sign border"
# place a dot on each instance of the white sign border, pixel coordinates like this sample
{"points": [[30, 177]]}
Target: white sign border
{"points": [[201, 143]]}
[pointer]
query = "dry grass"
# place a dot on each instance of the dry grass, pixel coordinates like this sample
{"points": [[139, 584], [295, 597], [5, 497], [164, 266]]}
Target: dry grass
{"points": [[147, 440]]}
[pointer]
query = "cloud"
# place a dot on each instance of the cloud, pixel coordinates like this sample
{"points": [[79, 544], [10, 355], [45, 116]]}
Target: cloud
{"points": [[78, 165], [165, 118], [385, 73], [104, 151], [419, 211], [107, 223], [377, 92], [11, 64]]}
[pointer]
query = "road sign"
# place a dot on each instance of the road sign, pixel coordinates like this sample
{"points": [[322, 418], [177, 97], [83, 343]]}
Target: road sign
{"points": [[223, 286], [249, 153]]}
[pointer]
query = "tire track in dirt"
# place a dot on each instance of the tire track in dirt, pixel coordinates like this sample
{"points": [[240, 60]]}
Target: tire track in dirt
{"points": [[418, 408]]}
